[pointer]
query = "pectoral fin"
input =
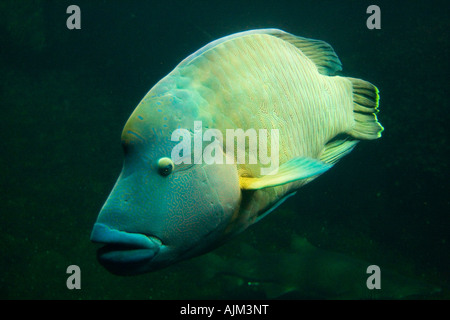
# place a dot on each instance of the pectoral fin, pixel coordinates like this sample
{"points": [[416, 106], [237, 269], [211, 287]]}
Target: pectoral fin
{"points": [[293, 170]]}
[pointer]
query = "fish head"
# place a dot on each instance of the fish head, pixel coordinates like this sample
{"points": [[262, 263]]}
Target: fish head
{"points": [[160, 212]]}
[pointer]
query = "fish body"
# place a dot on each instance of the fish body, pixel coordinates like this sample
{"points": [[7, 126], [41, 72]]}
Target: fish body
{"points": [[163, 209]]}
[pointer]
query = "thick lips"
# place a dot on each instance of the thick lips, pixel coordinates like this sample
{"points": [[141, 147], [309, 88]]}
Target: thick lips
{"points": [[123, 247]]}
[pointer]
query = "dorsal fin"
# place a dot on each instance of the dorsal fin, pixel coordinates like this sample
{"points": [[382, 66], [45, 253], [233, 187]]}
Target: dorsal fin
{"points": [[320, 52]]}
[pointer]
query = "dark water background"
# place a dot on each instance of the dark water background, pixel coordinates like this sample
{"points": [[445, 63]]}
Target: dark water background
{"points": [[65, 96]]}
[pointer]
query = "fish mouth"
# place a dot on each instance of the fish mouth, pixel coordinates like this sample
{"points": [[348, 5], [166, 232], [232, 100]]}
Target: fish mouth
{"points": [[124, 252]]}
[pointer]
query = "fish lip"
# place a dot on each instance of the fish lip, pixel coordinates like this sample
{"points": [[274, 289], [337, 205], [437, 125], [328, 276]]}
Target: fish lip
{"points": [[113, 256], [122, 247]]}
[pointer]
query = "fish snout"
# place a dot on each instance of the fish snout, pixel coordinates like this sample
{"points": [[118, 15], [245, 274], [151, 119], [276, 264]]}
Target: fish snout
{"points": [[124, 252]]}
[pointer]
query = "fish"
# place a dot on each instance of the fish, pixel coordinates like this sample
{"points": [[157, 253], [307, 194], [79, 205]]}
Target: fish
{"points": [[172, 201], [304, 271]]}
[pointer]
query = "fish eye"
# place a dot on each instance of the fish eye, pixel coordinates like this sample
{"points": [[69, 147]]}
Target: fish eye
{"points": [[165, 166]]}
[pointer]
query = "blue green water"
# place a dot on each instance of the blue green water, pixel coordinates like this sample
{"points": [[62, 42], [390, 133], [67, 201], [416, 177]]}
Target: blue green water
{"points": [[66, 94]]}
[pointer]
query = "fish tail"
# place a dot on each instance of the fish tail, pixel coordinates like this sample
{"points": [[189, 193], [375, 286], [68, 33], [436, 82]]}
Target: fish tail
{"points": [[365, 107]]}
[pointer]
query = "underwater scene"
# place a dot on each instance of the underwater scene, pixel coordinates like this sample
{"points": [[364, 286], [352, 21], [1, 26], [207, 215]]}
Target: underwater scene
{"points": [[103, 198]]}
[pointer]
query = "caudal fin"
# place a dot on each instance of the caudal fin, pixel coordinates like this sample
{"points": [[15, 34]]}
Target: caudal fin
{"points": [[365, 108]]}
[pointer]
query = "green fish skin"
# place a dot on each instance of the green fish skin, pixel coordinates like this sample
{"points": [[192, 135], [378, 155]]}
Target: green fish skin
{"points": [[162, 211]]}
